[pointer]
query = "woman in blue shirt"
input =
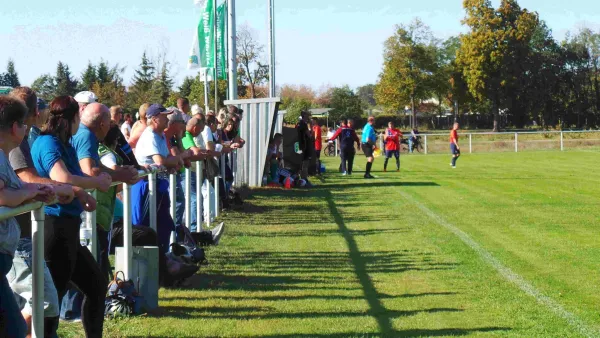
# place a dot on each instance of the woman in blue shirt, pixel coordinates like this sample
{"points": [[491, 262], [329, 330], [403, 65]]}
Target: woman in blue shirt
{"points": [[67, 260]]}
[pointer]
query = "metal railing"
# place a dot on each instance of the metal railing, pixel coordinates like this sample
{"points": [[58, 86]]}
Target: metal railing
{"points": [[38, 217], [509, 141]]}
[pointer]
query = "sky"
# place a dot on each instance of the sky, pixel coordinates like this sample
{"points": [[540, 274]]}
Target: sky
{"points": [[318, 42]]}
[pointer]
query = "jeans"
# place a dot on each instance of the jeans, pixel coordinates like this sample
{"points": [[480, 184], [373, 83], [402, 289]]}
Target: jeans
{"points": [[193, 207], [179, 198], [70, 262], [12, 323]]}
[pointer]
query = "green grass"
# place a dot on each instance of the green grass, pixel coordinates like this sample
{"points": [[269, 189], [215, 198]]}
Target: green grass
{"points": [[357, 258]]}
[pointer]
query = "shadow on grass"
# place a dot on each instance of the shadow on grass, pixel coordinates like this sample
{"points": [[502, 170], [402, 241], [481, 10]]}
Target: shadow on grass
{"points": [[375, 184], [401, 333], [320, 233], [315, 297]]}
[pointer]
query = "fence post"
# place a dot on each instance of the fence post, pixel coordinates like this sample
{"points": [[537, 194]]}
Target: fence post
{"points": [[217, 196], [152, 196], [425, 146], [470, 143], [562, 146], [90, 220], [173, 197], [336, 148], [127, 231], [188, 198], [516, 142], [199, 204], [37, 238]]}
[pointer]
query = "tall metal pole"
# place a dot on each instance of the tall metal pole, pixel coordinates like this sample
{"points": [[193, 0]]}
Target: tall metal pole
{"points": [[215, 80], [271, 48], [231, 50], [206, 107]]}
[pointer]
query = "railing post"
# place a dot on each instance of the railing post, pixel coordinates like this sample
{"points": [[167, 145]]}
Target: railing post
{"points": [[127, 231], [188, 197], [516, 142], [173, 198], [425, 146], [337, 153], [217, 185], [152, 196], [562, 146], [470, 143], [90, 224], [199, 204], [37, 238]]}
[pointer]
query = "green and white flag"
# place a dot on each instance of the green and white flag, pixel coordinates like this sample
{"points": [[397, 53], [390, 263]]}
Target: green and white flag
{"points": [[202, 52], [221, 33]]}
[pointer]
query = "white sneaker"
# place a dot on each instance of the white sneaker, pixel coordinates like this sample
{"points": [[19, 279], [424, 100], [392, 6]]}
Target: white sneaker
{"points": [[217, 232], [453, 167], [344, 174], [451, 164]]}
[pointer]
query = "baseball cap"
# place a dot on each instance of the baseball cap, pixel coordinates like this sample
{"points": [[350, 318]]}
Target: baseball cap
{"points": [[155, 110], [86, 97]]}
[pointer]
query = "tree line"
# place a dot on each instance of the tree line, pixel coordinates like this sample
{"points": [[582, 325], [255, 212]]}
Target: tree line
{"points": [[507, 66]]}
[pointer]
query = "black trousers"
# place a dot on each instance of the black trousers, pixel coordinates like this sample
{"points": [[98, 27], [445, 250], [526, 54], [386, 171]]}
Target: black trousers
{"points": [[68, 261], [347, 155]]}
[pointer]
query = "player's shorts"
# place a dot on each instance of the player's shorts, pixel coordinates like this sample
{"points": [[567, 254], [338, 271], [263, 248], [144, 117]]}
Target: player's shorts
{"points": [[454, 150], [390, 153], [367, 149], [20, 278]]}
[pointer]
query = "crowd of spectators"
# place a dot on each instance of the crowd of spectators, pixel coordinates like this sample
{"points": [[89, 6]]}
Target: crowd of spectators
{"points": [[54, 153]]}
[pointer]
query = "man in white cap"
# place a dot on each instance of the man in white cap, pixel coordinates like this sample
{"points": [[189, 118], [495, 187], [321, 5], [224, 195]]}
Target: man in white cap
{"points": [[84, 98]]}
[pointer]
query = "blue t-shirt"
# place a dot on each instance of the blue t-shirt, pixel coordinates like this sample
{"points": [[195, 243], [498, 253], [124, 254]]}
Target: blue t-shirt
{"points": [[368, 133], [45, 152], [85, 144]]}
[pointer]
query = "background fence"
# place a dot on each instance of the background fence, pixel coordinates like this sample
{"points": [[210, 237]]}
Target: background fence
{"points": [[438, 143]]}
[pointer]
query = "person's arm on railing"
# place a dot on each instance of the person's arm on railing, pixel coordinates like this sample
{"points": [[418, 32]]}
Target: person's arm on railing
{"points": [[64, 192], [60, 173], [127, 174], [13, 198]]}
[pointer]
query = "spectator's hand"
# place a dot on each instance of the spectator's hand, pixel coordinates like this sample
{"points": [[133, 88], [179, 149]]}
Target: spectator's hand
{"points": [[187, 163], [130, 175], [87, 201], [103, 182], [96, 171], [64, 193], [45, 193], [235, 146]]}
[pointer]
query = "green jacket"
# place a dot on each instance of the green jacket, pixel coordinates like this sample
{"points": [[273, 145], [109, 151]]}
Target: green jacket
{"points": [[105, 201]]}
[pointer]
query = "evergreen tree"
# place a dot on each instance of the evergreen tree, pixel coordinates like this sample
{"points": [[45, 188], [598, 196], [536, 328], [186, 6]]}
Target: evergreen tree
{"points": [[65, 84], [104, 75], [88, 78], [140, 91], [45, 87], [186, 87], [11, 78], [161, 88]]}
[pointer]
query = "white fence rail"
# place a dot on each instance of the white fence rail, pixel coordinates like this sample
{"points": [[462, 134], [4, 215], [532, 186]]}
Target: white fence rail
{"points": [[433, 143], [38, 217]]}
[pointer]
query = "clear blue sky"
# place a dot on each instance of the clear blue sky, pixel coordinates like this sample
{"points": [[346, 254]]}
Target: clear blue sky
{"points": [[319, 42]]}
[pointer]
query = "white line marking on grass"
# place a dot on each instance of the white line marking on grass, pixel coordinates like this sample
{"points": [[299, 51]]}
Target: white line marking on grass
{"points": [[507, 273]]}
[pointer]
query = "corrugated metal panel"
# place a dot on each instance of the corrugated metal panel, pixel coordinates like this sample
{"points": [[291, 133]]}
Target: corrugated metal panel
{"points": [[257, 126]]}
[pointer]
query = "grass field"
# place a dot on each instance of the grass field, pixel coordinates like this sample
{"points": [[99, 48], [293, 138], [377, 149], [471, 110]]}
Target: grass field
{"points": [[504, 245]]}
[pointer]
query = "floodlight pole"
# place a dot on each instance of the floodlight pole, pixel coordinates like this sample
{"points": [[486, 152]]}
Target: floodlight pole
{"points": [[271, 48], [231, 48]]}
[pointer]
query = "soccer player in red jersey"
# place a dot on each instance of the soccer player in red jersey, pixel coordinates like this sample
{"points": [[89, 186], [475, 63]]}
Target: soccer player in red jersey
{"points": [[317, 136], [454, 148], [392, 145]]}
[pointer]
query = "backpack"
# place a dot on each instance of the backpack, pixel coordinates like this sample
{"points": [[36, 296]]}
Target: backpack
{"points": [[122, 298]]}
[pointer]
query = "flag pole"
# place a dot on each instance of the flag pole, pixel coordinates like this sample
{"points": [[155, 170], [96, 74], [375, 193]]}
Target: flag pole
{"points": [[271, 48], [216, 78], [206, 107], [231, 50]]}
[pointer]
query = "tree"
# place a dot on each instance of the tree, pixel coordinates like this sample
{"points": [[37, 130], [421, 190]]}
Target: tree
{"points": [[108, 85], [186, 87], [65, 83], [291, 93], [10, 78], [45, 87], [367, 95], [294, 109], [251, 70], [409, 65], [345, 104], [88, 77], [161, 88], [140, 91], [493, 52]]}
